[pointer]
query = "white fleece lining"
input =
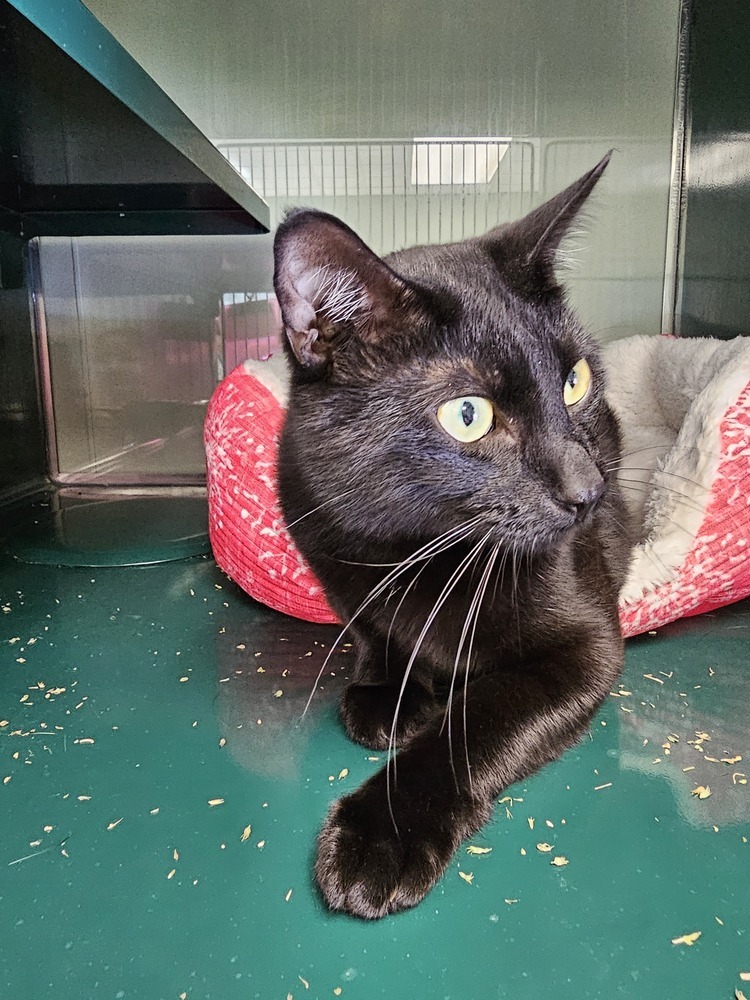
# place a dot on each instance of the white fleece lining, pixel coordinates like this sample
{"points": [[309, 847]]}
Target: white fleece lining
{"points": [[672, 394], [273, 373]]}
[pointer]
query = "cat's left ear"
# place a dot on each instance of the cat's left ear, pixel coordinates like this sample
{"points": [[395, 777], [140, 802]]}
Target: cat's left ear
{"points": [[527, 251], [329, 283]]}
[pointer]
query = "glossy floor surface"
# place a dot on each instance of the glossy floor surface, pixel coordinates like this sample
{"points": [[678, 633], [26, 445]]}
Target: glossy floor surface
{"points": [[160, 801]]}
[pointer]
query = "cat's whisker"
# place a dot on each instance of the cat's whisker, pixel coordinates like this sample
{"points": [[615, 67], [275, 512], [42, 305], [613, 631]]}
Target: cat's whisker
{"points": [[369, 565], [500, 578], [664, 472], [454, 675], [685, 500], [638, 486], [514, 592], [447, 716], [447, 590], [399, 605], [443, 596], [429, 551], [658, 563], [672, 519], [667, 446], [481, 594], [653, 557], [437, 545], [325, 503], [656, 560]]}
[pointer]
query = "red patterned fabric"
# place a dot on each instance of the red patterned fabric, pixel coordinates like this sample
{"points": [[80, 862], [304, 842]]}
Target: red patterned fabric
{"points": [[716, 570], [251, 543], [245, 524]]}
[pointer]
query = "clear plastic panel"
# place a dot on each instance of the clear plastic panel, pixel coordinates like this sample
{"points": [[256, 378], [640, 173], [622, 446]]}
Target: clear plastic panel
{"points": [[134, 335]]}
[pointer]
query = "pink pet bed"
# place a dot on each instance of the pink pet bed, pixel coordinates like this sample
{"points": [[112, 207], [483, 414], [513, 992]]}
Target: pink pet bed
{"points": [[684, 408]]}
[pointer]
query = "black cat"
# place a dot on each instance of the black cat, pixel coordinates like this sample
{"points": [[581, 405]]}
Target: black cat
{"points": [[446, 468]]}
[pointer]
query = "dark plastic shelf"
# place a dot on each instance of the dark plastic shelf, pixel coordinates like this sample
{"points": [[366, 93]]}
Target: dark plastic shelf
{"points": [[90, 145]]}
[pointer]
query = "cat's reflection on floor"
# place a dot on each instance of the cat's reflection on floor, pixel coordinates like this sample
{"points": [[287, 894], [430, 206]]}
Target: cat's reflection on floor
{"points": [[266, 674], [682, 725], [686, 723]]}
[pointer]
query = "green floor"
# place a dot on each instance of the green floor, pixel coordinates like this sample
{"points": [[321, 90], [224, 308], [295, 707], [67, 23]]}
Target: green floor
{"points": [[131, 699]]}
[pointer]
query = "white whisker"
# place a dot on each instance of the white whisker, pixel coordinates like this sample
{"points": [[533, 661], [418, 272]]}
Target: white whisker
{"points": [[442, 598], [481, 593], [447, 717], [432, 548], [399, 605], [324, 504]]}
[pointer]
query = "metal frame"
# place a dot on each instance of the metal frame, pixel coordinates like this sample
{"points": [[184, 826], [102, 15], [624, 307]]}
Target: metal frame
{"points": [[674, 249]]}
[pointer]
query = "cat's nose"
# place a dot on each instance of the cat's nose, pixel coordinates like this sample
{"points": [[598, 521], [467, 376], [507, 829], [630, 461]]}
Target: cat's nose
{"points": [[580, 484], [582, 496]]}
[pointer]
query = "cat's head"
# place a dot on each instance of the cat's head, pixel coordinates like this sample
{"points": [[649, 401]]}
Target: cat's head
{"points": [[442, 382]]}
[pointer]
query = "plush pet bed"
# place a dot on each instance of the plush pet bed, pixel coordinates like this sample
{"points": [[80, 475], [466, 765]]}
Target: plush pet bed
{"points": [[684, 408]]}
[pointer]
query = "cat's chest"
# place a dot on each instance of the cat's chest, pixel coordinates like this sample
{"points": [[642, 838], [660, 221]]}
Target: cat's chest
{"points": [[499, 610]]}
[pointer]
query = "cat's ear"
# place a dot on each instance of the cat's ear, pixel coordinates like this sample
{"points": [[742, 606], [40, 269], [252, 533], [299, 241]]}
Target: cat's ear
{"points": [[329, 283], [528, 251]]}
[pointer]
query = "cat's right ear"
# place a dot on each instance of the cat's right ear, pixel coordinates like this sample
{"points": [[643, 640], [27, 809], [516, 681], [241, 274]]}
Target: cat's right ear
{"points": [[329, 284]]}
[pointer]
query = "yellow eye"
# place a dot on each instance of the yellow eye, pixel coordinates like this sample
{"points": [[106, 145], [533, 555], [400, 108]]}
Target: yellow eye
{"points": [[467, 418], [578, 383]]}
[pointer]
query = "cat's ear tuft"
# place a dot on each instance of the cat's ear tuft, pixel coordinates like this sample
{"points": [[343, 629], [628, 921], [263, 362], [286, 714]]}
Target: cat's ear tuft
{"points": [[528, 251], [329, 284]]}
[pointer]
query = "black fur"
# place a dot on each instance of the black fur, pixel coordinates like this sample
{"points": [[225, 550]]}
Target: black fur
{"points": [[524, 640]]}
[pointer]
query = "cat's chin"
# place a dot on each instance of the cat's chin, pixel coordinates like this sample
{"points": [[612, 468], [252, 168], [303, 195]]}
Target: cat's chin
{"points": [[539, 540]]}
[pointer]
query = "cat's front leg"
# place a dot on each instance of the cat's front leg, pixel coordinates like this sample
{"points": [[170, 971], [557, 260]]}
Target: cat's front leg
{"points": [[385, 846], [374, 709], [380, 716]]}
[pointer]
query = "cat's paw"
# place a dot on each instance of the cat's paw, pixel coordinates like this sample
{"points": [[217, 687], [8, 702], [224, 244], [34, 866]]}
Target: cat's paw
{"points": [[368, 710], [368, 868]]}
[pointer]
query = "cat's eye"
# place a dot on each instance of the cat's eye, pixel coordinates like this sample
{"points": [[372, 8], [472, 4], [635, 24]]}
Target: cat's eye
{"points": [[466, 418], [578, 383]]}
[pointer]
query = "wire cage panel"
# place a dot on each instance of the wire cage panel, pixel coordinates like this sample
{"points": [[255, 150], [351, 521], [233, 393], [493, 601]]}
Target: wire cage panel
{"points": [[399, 192]]}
